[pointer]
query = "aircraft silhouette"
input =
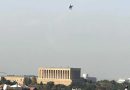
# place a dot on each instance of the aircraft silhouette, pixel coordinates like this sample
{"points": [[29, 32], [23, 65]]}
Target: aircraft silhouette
{"points": [[70, 7]]}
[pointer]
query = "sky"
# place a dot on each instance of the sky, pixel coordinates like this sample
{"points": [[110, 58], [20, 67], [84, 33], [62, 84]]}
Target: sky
{"points": [[93, 36]]}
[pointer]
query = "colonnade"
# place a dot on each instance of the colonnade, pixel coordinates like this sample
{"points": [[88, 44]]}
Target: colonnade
{"points": [[54, 74]]}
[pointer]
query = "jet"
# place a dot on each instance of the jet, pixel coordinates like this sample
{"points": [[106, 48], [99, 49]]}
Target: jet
{"points": [[70, 7]]}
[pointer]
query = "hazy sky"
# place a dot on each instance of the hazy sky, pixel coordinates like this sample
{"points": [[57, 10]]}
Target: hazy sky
{"points": [[94, 36]]}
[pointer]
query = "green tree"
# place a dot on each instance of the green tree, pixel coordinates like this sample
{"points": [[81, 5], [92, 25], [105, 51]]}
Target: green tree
{"points": [[34, 80], [27, 81], [41, 83], [3, 80], [49, 85], [40, 86], [60, 87]]}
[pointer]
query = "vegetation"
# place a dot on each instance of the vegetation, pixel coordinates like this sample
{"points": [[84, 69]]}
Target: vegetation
{"points": [[110, 85], [83, 85], [8, 82], [33, 80], [86, 85], [27, 81]]}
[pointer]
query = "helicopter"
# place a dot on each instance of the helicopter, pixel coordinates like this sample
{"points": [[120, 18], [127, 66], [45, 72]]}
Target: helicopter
{"points": [[70, 6]]}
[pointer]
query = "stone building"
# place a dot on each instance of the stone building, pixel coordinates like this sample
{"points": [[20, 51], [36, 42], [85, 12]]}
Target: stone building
{"points": [[16, 78], [59, 75]]}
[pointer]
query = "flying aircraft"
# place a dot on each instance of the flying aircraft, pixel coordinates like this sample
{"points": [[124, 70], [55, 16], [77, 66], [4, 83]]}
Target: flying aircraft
{"points": [[71, 6]]}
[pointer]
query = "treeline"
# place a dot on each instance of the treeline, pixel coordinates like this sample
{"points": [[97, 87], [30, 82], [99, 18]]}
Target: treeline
{"points": [[111, 85], [27, 81], [83, 85], [8, 82], [87, 85]]}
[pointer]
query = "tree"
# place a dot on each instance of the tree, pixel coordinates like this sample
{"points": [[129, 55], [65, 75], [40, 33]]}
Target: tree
{"points": [[60, 87], [41, 83], [34, 80], [3, 80], [49, 85], [14, 82], [8, 82], [27, 81]]}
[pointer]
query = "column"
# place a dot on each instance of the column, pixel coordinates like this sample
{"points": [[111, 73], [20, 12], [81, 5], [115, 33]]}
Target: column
{"points": [[54, 74], [51, 73], [39, 73], [62, 75], [65, 74], [57, 74], [48, 74], [43, 73], [69, 74]]}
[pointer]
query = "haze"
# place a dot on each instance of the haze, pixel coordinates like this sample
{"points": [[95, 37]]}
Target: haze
{"points": [[94, 36]]}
